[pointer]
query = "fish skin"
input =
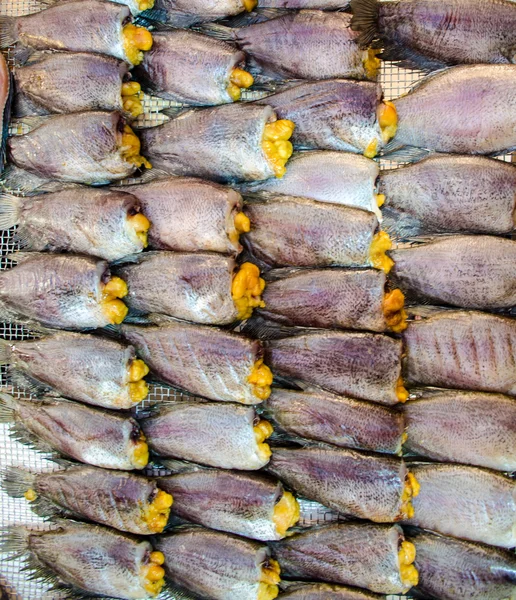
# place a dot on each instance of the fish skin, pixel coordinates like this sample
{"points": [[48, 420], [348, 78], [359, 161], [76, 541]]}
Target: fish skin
{"points": [[466, 502], [74, 551], [89, 435], [113, 498], [451, 569], [362, 365], [328, 298], [449, 194], [78, 220], [210, 433], [330, 235], [310, 45], [222, 143], [76, 371], [205, 361], [359, 554], [198, 286], [190, 68], [326, 591], [318, 415], [465, 271], [62, 82], [351, 482], [305, 4], [225, 566], [472, 428], [184, 13], [229, 501], [463, 350], [58, 290], [435, 115], [190, 215], [336, 114], [78, 148]]}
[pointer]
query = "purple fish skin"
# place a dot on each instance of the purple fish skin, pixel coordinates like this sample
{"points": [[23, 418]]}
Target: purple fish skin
{"points": [[336, 114], [362, 365], [305, 4], [205, 361], [223, 143], [326, 591], [463, 350], [351, 482], [190, 215], [451, 569], [190, 68], [467, 110], [362, 555], [466, 271], [318, 415], [289, 231], [198, 286], [472, 428], [466, 502], [449, 194], [183, 13], [229, 501], [328, 298]]}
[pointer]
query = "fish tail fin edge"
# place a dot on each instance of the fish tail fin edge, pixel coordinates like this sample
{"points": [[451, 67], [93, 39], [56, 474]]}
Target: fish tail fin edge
{"points": [[10, 208], [8, 36], [14, 539], [7, 408], [16, 481], [365, 20]]}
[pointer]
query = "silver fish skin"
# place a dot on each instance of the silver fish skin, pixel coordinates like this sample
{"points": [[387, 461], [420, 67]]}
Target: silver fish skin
{"points": [[190, 215], [326, 591], [451, 569], [331, 235], [114, 498], [337, 114], [92, 436], [328, 298], [333, 177], [351, 482], [82, 221], [58, 290], [436, 116], [198, 286], [362, 365], [319, 415], [466, 271], [463, 350], [79, 366], [72, 553], [229, 501], [472, 428], [359, 554], [309, 44], [466, 502], [205, 361], [419, 31], [210, 433], [225, 566], [184, 13], [223, 143], [84, 148], [62, 82], [190, 68], [449, 194]]}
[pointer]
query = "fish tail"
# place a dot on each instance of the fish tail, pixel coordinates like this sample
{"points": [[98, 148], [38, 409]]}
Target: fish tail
{"points": [[7, 408], [10, 208], [14, 539], [8, 35], [365, 20], [17, 482]]}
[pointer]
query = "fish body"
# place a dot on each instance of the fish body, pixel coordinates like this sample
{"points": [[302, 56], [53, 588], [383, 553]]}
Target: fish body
{"points": [[184, 13], [466, 502], [326, 591], [304, 4], [289, 231], [436, 116], [449, 194], [466, 271], [472, 428], [211, 433], [363, 555], [318, 415], [450, 568], [190, 215], [463, 350], [361, 365], [89, 435]]}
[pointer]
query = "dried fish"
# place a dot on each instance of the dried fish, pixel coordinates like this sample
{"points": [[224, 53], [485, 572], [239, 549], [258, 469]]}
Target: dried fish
{"points": [[6, 95], [326, 591], [184, 13]]}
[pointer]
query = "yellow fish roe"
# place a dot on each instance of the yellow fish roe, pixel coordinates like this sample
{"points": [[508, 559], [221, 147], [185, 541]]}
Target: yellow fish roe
{"points": [[238, 80], [406, 557], [261, 380], [377, 253], [112, 307], [246, 290], [153, 574], [286, 513], [276, 146], [137, 40], [394, 311]]}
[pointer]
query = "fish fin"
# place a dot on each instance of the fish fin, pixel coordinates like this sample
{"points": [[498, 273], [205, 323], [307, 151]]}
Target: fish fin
{"points": [[24, 436], [8, 35], [365, 20], [7, 408], [18, 180], [5, 351], [268, 329], [180, 466], [175, 111], [24, 381], [258, 15], [151, 17], [217, 31], [172, 591], [15, 539], [276, 274], [421, 311], [399, 153], [16, 481], [134, 259], [436, 73], [405, 58], [146, 177], [19, 256], [9, 210], [23, 107], [31, 122]]}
